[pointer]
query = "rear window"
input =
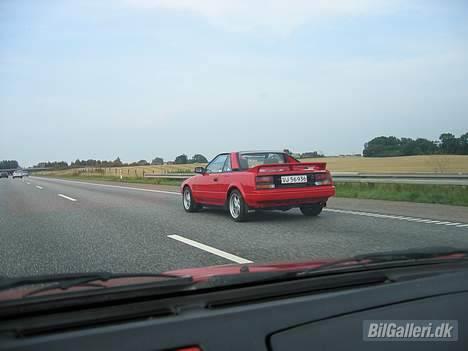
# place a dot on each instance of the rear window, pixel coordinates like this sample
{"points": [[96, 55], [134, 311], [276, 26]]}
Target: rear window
{"points": [[249, 160]]}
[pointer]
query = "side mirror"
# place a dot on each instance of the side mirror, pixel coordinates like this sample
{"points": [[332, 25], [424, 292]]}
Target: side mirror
{"points": [[200, 170]]}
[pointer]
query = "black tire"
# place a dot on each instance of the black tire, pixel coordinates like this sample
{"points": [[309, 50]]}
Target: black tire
{"points": [[237, 207], [311, 210], [188, 202]]}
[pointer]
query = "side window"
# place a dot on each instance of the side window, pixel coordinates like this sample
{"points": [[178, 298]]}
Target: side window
{"points": [[227, 164], [216, 166]]}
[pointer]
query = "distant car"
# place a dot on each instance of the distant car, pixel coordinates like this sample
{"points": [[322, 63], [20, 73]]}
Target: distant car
{"points": [[3, 175], [17, 174], [270, 180], [25, 174]]}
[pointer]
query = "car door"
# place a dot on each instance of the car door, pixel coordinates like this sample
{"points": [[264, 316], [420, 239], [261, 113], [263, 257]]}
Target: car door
{"points": [[225, 179], [210, 187]]}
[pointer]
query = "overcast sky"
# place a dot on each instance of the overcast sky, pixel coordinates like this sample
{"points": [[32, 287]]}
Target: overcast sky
{"points": [[145, 78]]}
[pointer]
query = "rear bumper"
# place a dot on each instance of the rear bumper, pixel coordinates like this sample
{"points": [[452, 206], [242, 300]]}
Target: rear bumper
{"points": [[292, 197]]}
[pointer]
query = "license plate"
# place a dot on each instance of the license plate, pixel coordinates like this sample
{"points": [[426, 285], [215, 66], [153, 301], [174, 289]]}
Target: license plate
{"points": [[293, 179]]}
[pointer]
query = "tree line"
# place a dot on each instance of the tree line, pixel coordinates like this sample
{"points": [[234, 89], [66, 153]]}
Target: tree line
{"points": [[390, 146], [9, 164], [181, 159], [308, 154]]}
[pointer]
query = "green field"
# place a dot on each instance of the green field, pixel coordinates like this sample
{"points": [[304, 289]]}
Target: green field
{"points": [[434, 194]]}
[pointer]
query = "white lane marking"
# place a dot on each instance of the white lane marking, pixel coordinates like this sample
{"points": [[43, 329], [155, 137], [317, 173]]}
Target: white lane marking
{"points": [[114, 186], [66, 197], [210, 249], [28, 183], [39, 187], [401, 218]]}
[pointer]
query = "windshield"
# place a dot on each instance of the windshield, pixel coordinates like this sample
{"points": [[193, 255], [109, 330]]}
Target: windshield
{"points": [[252, 159], [168, 138]]}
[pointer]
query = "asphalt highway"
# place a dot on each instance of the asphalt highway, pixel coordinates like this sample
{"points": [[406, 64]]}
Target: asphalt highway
{"points": [[54, 226]]}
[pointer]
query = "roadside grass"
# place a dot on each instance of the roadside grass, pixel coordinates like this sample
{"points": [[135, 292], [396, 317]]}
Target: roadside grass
{"points": [[424, 193]]}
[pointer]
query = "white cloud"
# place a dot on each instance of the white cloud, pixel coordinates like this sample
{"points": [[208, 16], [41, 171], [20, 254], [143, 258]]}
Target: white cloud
{"points": [[277, 16]]}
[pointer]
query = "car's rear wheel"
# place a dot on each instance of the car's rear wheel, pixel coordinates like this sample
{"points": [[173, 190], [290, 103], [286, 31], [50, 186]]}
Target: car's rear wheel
{"points": [[237, 206], [188, 202], [311, 210]]}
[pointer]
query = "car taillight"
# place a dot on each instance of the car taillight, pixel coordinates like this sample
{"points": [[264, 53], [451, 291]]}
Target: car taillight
{"points": [[323, 179], [265, 182]]}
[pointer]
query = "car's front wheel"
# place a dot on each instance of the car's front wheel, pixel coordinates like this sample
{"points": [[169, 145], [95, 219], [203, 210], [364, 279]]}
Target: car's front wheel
{"points": [[311, 210], [188, 202], [237, 206]]}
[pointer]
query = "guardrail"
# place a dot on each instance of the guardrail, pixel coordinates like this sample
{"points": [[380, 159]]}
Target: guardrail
{"points": [[169, 175], [360, 177]]}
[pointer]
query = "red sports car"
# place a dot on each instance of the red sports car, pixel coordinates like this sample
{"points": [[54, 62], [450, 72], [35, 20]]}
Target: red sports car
{"points": [[270, 180]]}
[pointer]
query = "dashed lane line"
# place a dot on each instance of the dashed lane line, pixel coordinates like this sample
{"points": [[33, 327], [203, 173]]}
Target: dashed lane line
{"points": [[210, 249], [67, 197]]}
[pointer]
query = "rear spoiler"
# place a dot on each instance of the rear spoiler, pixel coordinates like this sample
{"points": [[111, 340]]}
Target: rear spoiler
{"points": [[287, 167]]}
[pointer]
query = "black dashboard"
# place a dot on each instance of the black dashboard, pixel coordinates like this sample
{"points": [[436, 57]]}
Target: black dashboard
{"points": [[301, 318]]}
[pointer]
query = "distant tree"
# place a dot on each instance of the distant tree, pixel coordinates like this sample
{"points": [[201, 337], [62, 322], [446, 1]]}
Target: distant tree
{"points": [[382, 146], [407, 146], [157, 161], [424, 147], [117, 162], [463, 144], [53, 165], [77, 163], [448, 143], [9, 164], [311, 154], [419, 146], [181, 159], [142, 163], [197, 158]]}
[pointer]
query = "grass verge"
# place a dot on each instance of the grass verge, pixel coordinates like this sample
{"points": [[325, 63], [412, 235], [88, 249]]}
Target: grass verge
{"points": [[434, 194]]}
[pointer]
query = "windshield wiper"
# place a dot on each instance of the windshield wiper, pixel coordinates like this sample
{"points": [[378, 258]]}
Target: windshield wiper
{"points": [[413, 254], [346, 265], [68, 280], [420, 255], [400, 256]]}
